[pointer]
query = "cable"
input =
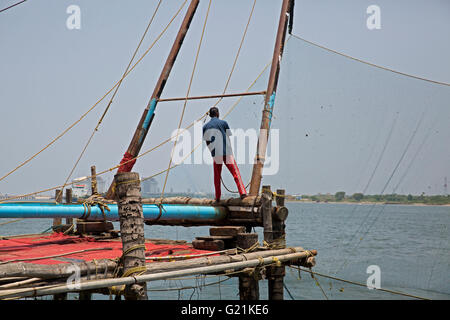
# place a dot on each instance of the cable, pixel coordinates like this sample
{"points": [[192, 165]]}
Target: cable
{"points": [[150, 150], [238, 52], [384, 188], [12, 5], [360, 284], [371, 64], [101, 99], [114, 93], [187, 95]]}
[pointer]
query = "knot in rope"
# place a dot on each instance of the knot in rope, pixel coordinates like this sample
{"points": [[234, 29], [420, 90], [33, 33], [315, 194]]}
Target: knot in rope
{"points": [[94, 200]]}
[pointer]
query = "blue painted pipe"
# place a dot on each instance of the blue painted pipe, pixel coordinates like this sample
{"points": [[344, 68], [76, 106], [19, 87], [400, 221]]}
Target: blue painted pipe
{"points": [[170, 212]]}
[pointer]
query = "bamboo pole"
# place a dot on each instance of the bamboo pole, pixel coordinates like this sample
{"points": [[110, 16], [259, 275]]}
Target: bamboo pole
{"points": [[96, 284], [64, 270], [270, 99], [228, 95], [148, 114]]}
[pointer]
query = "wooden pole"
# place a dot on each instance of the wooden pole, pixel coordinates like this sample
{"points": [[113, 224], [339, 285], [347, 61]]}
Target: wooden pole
{"points": [[149, 112], [270, 99], [228, 95], [69, 201], [275, 274], [266, 208], [57, 222], [94, 188], [128, 192], [64, 270], [58, 199], [248, 283], [208, 269]]}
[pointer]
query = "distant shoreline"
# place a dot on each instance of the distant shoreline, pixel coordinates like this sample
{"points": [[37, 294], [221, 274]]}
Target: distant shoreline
{"points": [[368, 202]]}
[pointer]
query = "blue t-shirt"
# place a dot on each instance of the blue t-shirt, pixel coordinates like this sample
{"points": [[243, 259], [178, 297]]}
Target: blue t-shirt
{"points": [[216, 133]]}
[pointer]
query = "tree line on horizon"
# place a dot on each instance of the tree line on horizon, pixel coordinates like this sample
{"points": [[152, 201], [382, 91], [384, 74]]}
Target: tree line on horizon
{"points": [[341, 196]]}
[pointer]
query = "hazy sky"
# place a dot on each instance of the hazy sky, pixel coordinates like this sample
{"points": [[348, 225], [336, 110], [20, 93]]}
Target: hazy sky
{"points": [[334, 115]]}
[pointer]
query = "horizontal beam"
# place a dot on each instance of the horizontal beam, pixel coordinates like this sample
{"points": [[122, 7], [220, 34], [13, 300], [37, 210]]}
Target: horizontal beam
{"points": [[171, 213], [103, 283], [229, 95]]}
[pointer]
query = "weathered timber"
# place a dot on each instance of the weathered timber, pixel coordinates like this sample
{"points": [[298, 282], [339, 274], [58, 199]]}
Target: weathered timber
{"points": [[94, 188], [269, 100], [149, 112], [88, 227], [212, 245], [64, 270], [250, 201], [248, 283], [266, 211], [128, 193], [226, 231], [69, 201], [58, 198], [229, 242], [275, 274], [233, 266]]}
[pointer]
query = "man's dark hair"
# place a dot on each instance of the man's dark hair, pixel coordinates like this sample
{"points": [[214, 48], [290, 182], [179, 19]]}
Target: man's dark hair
{"points": [[214, 112]]}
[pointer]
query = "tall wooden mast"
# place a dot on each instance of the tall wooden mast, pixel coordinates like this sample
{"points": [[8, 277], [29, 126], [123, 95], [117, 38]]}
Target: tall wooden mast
{"points": [[286, 11], [137, 141]]}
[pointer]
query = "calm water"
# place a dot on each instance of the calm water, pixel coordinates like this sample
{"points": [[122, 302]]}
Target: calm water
{"points": [[410, 245]]}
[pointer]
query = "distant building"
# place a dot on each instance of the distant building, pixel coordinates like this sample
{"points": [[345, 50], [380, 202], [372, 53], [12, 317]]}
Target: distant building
{"points": [[81, 187], [101, 184], [149, 186]]}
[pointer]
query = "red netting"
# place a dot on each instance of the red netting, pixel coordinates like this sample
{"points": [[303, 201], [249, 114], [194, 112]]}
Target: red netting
{"points": [[37, 246]]}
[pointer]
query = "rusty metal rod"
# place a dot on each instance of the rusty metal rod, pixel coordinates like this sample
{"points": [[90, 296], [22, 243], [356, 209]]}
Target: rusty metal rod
{"points": [[215, 96]]}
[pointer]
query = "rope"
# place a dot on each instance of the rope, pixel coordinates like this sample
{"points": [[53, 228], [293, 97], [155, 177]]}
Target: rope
{"points": [[360, 284], [15, 4], [237, 54], [280, 243], [372, 64], [16, 220], [55, 256], [114, 93], [98, 101], [94, 200], [223, 183], [187, 95], [150, 150]]}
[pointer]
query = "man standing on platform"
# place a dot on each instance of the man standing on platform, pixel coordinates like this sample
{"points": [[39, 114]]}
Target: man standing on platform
{"points": [[216, 134]]}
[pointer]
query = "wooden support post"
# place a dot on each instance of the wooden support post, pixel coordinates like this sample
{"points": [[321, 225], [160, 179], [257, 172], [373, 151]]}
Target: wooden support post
{"points": [[58, 199], [275, 274], [94, 180], [266, 207], [128, 194], [85, 295], [57, 222], [248, 283], [270, 98], [69, 201]]}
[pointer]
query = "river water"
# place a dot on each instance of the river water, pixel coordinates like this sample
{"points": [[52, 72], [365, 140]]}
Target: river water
{"points": [[408, 246]]}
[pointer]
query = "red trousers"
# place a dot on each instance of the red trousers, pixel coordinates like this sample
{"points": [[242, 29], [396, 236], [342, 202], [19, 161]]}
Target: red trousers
{"points": [[234, 170]]}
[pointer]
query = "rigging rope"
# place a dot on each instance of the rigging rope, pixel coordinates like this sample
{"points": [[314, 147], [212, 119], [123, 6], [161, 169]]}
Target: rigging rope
{"points": [[114, 93], [359, 284], [382, 192], [98, 101], [185, 101], [13, 5], [237, 54], [150, 150], [371, 64]]}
